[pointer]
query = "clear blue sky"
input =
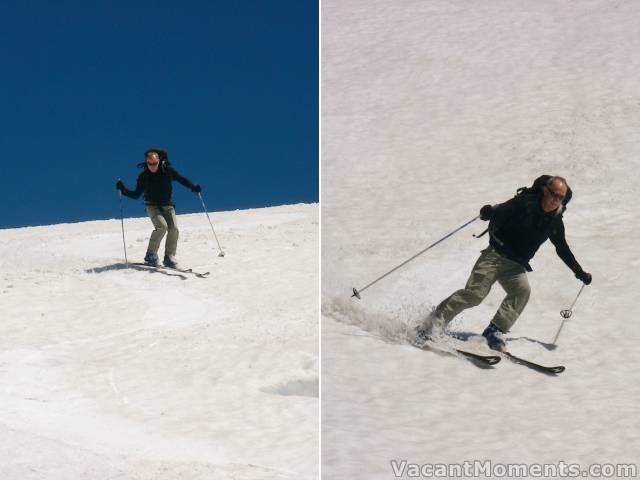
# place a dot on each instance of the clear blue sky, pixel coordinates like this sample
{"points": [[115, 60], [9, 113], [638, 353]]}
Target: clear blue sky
{"points": [[229, 88]]}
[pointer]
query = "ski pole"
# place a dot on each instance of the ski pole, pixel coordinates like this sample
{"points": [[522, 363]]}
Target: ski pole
{"points": [[569, 312], [357, 292], [204, 207], [124, 243], [565, 314]]}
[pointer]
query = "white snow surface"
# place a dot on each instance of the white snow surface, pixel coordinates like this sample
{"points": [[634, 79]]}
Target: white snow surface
{"points": [[431, 109], [115, 373]]}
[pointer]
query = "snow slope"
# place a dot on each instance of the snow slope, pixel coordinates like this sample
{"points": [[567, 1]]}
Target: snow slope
{"points": [[114, 373], [430, 110]]}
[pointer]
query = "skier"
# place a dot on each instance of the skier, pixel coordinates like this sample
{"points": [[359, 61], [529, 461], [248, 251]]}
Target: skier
{"points": [[155, 182], [517, 228]]}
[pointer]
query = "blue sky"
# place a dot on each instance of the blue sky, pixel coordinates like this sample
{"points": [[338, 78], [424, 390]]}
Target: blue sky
{"points": [[230, 89]]}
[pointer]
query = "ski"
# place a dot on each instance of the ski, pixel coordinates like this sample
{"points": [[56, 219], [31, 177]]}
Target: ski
{"points": [[527, 363], [533, 365], [181, 270], [189, 270], [488, 359], [485, 359]]}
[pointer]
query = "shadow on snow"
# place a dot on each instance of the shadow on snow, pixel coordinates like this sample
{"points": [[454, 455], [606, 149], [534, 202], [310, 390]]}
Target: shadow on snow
{"points": [[140, 268]]}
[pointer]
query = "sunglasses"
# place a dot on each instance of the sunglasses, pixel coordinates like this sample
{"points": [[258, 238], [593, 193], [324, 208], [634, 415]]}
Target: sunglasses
{"points": [[555, 195]]}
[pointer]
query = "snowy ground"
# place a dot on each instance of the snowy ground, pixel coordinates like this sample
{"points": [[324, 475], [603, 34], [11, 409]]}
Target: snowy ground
{"points": [[109, 373], [432, 109]]}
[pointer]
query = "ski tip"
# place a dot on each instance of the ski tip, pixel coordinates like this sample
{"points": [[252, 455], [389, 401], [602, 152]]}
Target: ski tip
{"points": [[535, 366], [355, 294]]}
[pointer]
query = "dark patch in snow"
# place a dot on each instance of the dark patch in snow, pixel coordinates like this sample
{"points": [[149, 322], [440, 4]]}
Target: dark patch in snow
{"points": [[300, 388]]}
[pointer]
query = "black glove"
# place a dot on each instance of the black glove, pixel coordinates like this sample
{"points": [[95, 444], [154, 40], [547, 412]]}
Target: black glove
{"points": [[583, 277], [196, 189], [486, 212], [120, 186]]}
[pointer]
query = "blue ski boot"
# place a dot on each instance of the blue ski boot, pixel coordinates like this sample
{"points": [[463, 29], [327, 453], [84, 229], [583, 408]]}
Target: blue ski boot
{"points": [[494, 338], [151, 259]]}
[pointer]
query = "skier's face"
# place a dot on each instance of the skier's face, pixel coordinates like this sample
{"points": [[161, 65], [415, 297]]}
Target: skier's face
{"points": [[153, 162], [553, 196]]}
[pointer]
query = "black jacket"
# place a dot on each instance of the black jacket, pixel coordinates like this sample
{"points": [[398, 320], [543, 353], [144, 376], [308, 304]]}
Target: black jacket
{"points": [[157, 186], [519, 226]]}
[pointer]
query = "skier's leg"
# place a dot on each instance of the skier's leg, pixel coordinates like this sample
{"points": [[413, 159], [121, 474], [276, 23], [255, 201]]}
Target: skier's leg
{"points": [[160, 224], [515, 282], [173, 233], [483, 275]]}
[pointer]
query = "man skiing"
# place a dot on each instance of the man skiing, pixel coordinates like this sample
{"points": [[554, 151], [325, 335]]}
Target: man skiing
{"points": [[517, 228], [155, 182]]}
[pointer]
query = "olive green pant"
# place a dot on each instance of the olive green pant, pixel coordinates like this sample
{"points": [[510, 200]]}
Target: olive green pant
{"points": [[164, 219], [491, 267]]}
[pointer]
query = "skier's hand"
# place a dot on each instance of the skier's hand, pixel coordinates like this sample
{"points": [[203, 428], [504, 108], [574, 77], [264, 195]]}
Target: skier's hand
{"points": [[196, 189], [486, 212], [584, 277], [120, 186]]}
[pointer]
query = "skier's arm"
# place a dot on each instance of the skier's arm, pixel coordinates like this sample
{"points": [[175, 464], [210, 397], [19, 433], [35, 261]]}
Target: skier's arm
{"points": [[140, 188], [564, 252], [184, 180]]}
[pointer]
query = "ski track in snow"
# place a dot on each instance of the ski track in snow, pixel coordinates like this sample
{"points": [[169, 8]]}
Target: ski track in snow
{"points": [[431, 110], [110, 372]]}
